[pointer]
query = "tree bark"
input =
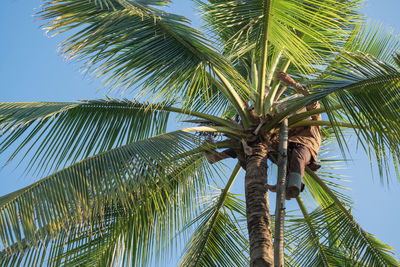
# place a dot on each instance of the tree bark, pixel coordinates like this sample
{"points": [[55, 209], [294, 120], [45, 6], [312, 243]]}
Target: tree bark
{"points": [[280, 196], [257, 208]]}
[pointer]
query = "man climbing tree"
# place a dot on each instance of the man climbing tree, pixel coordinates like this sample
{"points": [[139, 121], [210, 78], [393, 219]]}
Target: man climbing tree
{"points": [[304, 144]]}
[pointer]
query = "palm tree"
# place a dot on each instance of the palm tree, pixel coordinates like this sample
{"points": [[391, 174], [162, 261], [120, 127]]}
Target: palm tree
{"points": [[124, 187]]}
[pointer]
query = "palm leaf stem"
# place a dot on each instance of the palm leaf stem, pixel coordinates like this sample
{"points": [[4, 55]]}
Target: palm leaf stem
{"points": [[312, 229], [272, 93], [233, 96], [230, 91], [228, 131], [219, 205], [322, 123], [208, 117], [340, 205], [280, 92], [303, 115], [204, 147], [254, 73], [273, 68], [263, 71]]}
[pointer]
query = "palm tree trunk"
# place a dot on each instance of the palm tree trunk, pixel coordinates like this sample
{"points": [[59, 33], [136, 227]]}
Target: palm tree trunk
{"points": [[280, 196], [257, 208]]}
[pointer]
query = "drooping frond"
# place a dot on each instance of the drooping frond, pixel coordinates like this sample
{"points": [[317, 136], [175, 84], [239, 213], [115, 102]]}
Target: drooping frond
{"points": [[361, 245], [117, 178], [46, 250], [333, 180], [342, 242], [217, 240], [368, 38], [161, 210], [129, 42], [302, 232], [369, 92], [118, 235], [60, 133]]}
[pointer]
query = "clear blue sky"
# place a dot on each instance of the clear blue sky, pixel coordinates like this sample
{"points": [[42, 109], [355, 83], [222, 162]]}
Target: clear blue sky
{"points": [[32, 70]]}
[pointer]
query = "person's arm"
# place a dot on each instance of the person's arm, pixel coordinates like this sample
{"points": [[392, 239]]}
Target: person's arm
{"points": [[284, 77], [289, 81]]}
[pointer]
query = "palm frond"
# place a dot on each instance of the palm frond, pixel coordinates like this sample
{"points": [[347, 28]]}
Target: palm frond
{"points": [[361, 245], [369, 91], [343, 241], [73, 196], [62, 133], [128, 43], [315, 253], [305, 32], [374, 39], [44, 252], [217, 240], [132, 239]]}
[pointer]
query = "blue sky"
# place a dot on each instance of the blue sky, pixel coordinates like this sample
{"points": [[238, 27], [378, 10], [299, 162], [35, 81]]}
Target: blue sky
{"points": [[31, 69]]}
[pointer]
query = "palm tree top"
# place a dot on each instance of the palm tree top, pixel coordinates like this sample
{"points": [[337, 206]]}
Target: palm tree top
{"points": [[118, 185]]}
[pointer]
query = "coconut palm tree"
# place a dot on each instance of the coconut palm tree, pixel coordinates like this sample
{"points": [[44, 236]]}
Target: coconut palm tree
{"points": [[123, 187]]}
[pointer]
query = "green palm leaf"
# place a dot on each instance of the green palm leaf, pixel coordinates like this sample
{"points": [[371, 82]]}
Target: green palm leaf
{"points": [[62, 133], [131, 43], [76, 194], [305, 31], [369, 91], [360, 245], [368, 38], [150, 226], [374, 39], [342, 240], [217, 240]]}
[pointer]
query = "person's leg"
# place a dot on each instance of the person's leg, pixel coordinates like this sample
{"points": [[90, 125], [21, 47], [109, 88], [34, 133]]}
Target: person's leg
{"points": [[274, 188], [214, 156], [300, 157]]}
